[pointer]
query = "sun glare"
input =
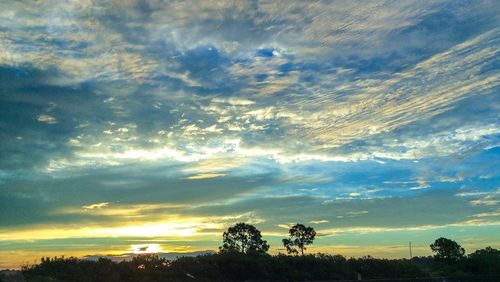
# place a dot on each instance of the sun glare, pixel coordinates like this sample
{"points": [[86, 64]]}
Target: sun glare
{"points": [[145, 248]]}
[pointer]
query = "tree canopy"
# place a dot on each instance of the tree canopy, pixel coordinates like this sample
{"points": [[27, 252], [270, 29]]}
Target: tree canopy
{"points": [[243, 238], [300, 236], [485, 260], [447, 250]]}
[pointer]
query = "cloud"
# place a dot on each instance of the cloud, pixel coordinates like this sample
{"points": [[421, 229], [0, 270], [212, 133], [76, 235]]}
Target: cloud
{"points": [[95, 206], [391, 104], [363, 230], [233, 101], [318, 221], [359, 117], [356, 213], [205, 176], [47, 119], [488, 214], [487, 200]]}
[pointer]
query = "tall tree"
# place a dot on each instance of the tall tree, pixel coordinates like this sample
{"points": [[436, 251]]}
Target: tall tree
{"points": [[243, 238], [447, 250], [300, 236]]}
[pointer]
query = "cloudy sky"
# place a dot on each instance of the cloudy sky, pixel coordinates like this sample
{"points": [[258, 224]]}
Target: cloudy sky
{"points": [[160, 123]]}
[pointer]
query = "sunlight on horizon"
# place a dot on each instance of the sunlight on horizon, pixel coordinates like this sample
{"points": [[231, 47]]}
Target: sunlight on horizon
{"points": [[146, 248]]}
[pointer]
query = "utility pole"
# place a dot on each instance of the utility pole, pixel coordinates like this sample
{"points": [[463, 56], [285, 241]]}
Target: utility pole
{"points": [[410, 251]]}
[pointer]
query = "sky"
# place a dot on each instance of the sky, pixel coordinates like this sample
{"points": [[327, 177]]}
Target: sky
{"points": [[145, 123]]}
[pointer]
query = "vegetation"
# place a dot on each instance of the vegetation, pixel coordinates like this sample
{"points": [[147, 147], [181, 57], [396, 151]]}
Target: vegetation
{"points": [[447, 250], [300, 236], [243, 257], [243, 238]]}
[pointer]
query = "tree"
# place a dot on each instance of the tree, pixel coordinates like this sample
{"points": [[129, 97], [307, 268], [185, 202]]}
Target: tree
{"points": [[300, 236], [243, 238], [484, 261], [447, 250]]}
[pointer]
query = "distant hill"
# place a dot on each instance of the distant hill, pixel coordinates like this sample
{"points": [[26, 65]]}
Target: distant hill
{"points": [[167, 256]]}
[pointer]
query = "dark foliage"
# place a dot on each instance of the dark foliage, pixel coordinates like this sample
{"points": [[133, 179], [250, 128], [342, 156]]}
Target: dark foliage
{"points": [[244, 258], [243, 238], [300, 237], [484, 261], [237, 266], [447, 251]]}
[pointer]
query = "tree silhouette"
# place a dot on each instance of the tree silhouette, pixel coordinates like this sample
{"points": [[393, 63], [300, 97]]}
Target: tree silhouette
{"points": [[300, 236], [447, 250], [243, 238], [485, 260], [235, 266]]}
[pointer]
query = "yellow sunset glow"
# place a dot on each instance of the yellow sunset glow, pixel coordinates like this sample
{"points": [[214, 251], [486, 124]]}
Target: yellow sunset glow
{"points": [[151, 229], [146, 248]]}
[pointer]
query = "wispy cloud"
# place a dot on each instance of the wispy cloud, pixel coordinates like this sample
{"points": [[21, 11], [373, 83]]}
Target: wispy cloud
{"points": [[95, 206], [205, 176], [47, 119]]}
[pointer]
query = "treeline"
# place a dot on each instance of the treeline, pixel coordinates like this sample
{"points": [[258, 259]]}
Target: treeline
{"points": [[243, 256], [225, 266], [233, 266]]}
